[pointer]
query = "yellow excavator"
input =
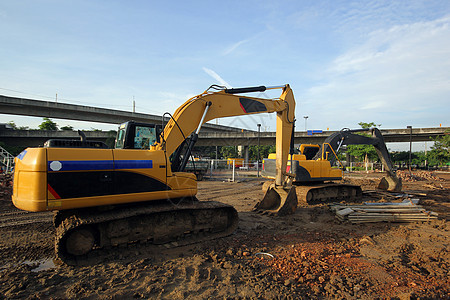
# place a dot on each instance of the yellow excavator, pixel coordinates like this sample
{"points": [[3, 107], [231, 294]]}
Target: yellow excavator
{"points": [[138, 192], [313, 173]]}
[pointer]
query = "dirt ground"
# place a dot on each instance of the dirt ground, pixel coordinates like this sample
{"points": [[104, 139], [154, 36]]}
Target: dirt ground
{"points": [[309, 254]]}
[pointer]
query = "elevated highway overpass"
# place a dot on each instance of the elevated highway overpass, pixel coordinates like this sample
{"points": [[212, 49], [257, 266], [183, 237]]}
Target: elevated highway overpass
{"points": [[210, 135], [28, 138], [48, 109]]}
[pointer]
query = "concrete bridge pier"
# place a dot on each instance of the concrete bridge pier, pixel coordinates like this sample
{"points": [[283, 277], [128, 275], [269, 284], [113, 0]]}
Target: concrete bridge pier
{"points": [[243, 151]]}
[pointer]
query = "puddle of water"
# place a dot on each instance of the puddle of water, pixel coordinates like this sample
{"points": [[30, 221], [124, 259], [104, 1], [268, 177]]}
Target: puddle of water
{"points": [[42, 265]]}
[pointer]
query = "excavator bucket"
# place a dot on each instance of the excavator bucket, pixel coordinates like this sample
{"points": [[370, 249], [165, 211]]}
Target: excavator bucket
{"points": [[390, 183], [278, 201]]}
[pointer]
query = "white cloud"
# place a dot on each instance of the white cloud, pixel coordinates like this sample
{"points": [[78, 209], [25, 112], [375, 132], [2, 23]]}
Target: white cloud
{"points": [[399, 74], [216, 76], [235, 46], [373, 105], [238, 44]]}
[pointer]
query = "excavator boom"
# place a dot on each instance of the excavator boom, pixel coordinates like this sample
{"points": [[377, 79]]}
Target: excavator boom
{"points": [[280, 198]]}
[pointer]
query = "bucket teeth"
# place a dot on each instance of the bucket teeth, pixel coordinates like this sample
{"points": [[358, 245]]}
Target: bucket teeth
{"points": [[278, 201]]}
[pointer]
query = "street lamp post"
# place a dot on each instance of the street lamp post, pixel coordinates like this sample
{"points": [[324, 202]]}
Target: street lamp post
{"points": [[257, 163], [306, 118], [410, 147]]}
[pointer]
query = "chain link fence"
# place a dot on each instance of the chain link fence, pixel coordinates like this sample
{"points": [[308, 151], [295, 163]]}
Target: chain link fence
{"points": [[230, 170]]}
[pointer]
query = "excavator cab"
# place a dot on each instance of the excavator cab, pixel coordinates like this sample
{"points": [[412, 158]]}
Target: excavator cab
{"points": [[133, 135], [309, 150]]}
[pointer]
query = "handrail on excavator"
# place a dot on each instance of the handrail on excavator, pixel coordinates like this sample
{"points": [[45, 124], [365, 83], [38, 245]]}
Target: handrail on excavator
{"points": [[326, 158]]}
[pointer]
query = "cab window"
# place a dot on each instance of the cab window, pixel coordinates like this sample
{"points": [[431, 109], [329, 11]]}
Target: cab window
{"points": [[144, 137]]}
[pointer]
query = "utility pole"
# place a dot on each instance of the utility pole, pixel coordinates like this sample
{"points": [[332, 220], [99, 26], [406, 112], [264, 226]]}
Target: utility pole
{"points": [[257, 163], [426, 155], [410, 147], [306, 118]]}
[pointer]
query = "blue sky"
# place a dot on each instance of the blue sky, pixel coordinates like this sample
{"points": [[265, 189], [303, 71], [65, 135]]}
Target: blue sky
{"points": [[386, 62]]}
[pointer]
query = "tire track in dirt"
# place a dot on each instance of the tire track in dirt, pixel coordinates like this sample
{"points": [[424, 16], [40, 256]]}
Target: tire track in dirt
{"points": [[16, 218], [315, 256]]}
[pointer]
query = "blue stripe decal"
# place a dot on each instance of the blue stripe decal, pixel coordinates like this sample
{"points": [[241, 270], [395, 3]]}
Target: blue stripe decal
{"points": [[97, 165], [22, 154], [80, 165], [133, 164]]}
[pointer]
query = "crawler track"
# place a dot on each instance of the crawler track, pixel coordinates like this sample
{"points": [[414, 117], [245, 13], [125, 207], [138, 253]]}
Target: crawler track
{"points": [[323, 192], [328, 192], [82, 234]]}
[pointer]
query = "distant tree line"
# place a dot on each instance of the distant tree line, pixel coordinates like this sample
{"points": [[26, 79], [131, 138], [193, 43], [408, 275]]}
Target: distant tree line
{"points": [[48, 124], [438, 155]]}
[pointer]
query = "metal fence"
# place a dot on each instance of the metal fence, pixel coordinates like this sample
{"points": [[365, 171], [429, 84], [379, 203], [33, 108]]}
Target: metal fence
{"points": [[231, 170], [6, 160]]}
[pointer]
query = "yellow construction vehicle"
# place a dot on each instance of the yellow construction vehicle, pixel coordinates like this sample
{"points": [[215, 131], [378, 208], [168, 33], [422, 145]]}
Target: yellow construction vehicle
{"points": [[313, 172], [138, 192]]}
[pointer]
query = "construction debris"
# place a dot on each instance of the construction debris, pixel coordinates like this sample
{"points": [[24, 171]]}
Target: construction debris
{"points": [[406, 211], [417, 176]]}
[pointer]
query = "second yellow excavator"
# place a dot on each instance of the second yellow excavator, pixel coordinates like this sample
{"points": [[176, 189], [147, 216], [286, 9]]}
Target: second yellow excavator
{"points": [[138, 191], [313, 173]]}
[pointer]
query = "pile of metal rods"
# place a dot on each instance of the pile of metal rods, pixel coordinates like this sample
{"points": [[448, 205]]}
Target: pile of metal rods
{"points": [[406, 211]]}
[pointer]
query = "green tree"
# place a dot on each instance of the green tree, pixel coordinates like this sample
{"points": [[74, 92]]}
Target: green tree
{"points": [[418, 158], [263, 152], [48, 124], [67, 127], [400, 157], [441, 149], [368, 125], [229, 152], [363, 152], [12, 124], [15, 127]]}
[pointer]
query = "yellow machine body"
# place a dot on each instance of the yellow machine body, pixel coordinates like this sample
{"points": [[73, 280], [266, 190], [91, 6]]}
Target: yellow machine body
{"points": [[318, 170], [68, 178], [111, 197], [312, 170]]}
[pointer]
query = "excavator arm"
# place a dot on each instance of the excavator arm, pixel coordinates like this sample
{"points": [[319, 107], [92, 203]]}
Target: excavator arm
{"points": [[207, 106], [350, 137], [189, 117]]}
